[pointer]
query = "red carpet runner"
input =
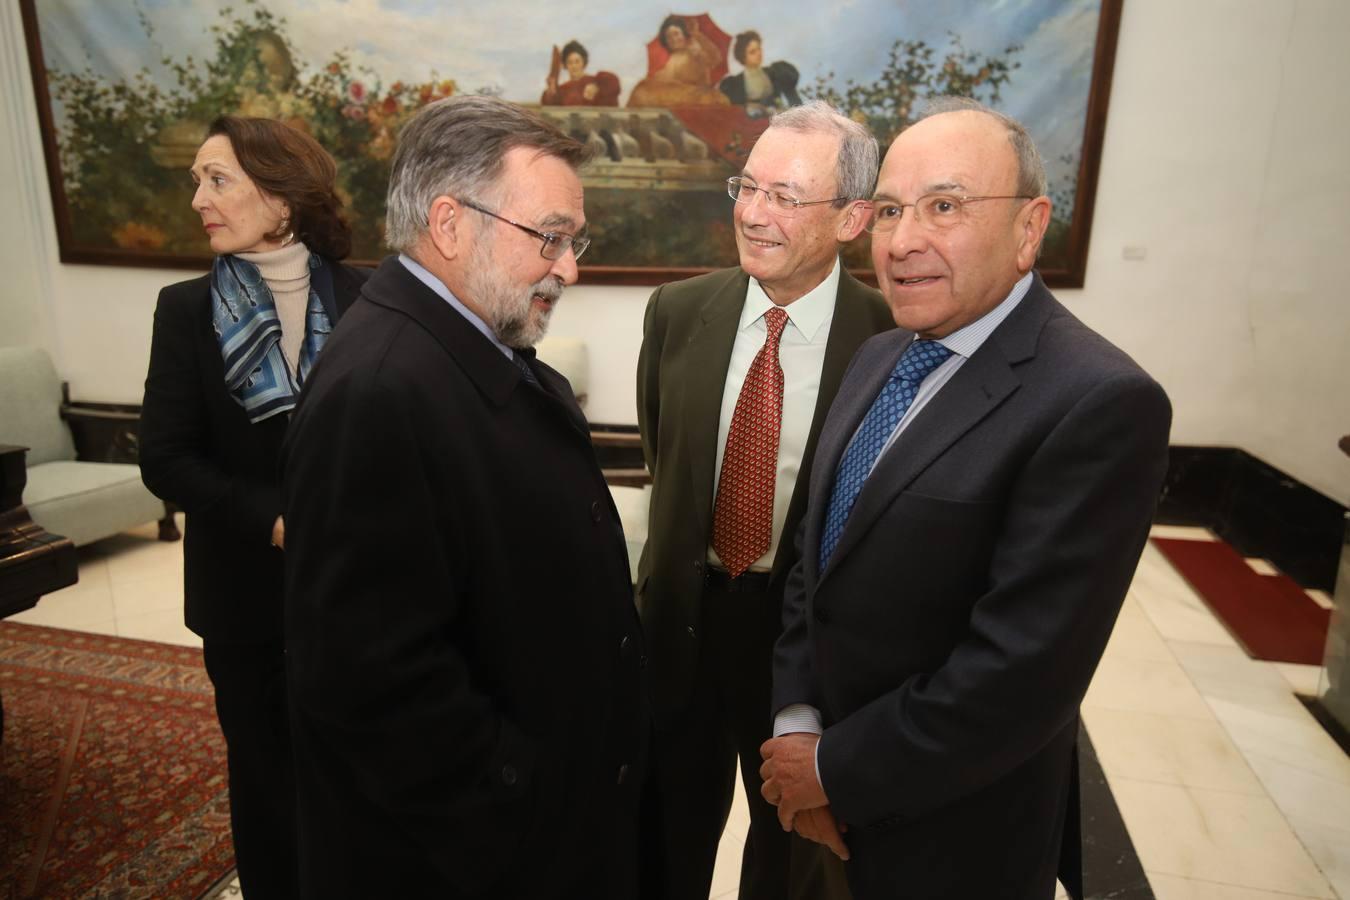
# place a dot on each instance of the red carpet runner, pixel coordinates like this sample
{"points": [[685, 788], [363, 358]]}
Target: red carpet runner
{"points": [[1270, 615], [112, 768]]}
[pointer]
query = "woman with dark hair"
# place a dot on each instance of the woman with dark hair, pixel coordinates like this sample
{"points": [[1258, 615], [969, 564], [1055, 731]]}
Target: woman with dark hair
{"points": [[229, 354], [760, 89], [686, 77], [580, 89]]}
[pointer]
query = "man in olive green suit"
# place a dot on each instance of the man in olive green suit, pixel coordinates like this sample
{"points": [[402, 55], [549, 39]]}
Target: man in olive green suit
{"points": [[736, 373]]}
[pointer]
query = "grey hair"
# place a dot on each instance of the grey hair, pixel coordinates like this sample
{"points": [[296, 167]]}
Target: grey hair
{"points": [[856, 171], [1030, 169], [456, 147]]}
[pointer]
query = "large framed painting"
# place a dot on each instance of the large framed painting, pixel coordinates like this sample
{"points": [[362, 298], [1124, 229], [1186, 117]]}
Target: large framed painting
{"points": [[670, 100]]}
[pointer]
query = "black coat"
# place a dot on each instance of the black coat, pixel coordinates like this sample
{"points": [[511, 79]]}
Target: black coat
{"points": [[199, 451], [464, 658], [953, 633]]}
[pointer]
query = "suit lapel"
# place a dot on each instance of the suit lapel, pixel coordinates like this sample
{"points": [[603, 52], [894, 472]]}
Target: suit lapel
{"points": [[849, 328], [321, 280], [558, 390], [982, 383], [706, 374], [398, 289], [844, 417], [976, 390]]}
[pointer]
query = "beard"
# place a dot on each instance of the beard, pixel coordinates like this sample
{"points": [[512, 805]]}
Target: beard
{"points": [[508, 308]]}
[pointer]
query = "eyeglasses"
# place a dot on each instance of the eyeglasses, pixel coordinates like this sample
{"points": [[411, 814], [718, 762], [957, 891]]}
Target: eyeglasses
{"points": [[742, 189], [555, 242], [935, 212]]}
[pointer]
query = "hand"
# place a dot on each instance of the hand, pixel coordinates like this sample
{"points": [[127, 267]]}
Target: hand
{"points": [[590, 90], [820, 825], [789, 774], [278, 534]]}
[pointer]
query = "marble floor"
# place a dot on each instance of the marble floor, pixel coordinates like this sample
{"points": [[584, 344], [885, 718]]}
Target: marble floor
{"points": [[1228, 787]]}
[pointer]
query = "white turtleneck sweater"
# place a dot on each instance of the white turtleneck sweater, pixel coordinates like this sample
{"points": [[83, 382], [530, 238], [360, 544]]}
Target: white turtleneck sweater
{"points": [[286, 272]]}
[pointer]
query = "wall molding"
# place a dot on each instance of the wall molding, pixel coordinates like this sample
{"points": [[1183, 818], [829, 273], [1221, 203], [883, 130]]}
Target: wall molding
{"points": [[1259, 510]]}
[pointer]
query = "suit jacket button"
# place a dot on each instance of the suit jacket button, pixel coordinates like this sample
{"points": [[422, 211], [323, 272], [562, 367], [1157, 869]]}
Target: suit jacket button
{"points": [[690, 629], [623, 773], [822, 616], [623, 646], [509, 775], [698, 565], [595, 511]]}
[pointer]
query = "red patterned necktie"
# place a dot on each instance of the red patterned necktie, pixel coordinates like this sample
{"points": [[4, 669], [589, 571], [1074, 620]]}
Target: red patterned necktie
{"points": [[743, 512]]}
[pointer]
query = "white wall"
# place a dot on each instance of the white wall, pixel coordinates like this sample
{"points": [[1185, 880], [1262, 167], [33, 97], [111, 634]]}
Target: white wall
{"points": [[1226, 159], [1226, 155]]}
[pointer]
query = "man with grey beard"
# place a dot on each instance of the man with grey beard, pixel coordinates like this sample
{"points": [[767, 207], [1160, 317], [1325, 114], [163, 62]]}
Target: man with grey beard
{"points": [[464, 657]]}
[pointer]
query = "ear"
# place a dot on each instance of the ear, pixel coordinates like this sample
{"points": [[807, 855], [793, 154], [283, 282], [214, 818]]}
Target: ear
{"points": [[444, 221], [852, 224], [1030, 226], [277, 206]]}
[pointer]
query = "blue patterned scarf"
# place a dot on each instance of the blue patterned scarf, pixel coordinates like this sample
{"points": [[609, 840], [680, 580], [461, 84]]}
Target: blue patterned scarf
{"points": [[249, 332]]}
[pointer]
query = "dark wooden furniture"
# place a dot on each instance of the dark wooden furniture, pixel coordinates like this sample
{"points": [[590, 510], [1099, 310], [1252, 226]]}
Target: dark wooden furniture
{"points": [[33, 562], [103, 432], [109, 432], [619, 449]]}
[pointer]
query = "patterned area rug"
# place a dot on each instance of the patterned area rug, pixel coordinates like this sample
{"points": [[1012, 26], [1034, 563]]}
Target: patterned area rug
{"points": [[112, 769]]}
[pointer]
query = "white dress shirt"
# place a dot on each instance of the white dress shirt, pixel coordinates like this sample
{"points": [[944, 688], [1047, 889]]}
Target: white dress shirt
{"points": [[801, 353]]}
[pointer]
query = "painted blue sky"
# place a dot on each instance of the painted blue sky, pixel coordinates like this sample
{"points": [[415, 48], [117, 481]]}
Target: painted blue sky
{"points": [[506, 46]]}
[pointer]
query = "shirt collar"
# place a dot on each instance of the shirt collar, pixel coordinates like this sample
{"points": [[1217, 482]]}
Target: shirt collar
{"points": [[965, 341], [807, 313], [423, 275]]}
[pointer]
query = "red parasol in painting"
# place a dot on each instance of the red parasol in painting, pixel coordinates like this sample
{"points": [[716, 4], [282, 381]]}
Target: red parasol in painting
{"points": [[727, 130], [703, 23]]}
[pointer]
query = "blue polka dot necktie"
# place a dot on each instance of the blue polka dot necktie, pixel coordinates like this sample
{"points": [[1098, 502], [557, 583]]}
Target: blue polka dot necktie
{"points": [[918, 360]]}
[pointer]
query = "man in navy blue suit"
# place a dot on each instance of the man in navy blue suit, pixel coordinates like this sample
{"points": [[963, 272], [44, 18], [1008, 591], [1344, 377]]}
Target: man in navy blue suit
{"points": [[981, 493]]}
